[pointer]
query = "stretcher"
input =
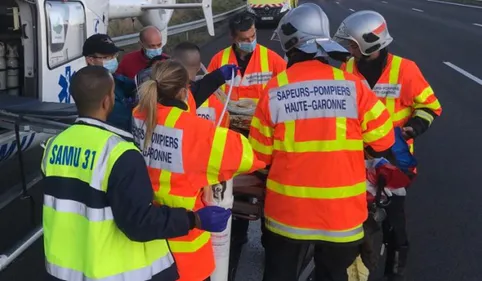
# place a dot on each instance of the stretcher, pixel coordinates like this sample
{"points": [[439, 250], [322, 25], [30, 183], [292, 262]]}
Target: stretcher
{"points": [[22, 114]]}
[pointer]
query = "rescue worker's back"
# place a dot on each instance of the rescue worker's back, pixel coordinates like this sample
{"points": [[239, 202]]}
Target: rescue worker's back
{"points": [[311, 126], [184, 153], [313, 121]]}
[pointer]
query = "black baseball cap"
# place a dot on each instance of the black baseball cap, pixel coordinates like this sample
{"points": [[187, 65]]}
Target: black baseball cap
{"points": [[101, 44]]}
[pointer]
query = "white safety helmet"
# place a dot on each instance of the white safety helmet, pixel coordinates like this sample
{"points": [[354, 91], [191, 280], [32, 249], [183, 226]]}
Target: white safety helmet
{"points": [[368, 29], [306, 28]]}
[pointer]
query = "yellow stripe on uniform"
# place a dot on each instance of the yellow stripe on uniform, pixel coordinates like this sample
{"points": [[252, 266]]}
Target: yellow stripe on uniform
{"points": [[224, 61], [317, 192], [163, 194], [190, 246], [264, 62], [350, 65], [393, 79], [248, 157], [216, 155]]}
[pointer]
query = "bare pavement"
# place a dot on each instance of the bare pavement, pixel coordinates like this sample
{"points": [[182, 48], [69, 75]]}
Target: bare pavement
{"points": [[444, 215]]}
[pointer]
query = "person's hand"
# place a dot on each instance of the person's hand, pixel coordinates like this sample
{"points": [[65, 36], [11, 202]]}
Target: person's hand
{"points": [[408, 133], [212, 218], [227, 71]]}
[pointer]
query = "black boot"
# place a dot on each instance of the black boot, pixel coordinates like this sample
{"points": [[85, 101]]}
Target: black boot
{"points": [[395, 268]]}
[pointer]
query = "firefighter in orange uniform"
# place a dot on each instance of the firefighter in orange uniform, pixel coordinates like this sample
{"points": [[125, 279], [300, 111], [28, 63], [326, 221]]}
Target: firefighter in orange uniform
{"points": [[257, 63], [189, 55], [400, 85], [310, 127], [184, 153]]}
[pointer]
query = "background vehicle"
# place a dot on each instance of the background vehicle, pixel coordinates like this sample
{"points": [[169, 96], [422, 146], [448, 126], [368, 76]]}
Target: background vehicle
{"points": [[269, 11]]}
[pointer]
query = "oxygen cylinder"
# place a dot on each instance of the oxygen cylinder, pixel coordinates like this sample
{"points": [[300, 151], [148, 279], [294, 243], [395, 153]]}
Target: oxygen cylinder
{"points": [[220, 195], [12, 70], [3, 69]]}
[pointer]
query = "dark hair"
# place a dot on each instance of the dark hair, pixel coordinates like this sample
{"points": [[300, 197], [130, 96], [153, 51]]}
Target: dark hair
{"points": [[241, 22], [183, 47], [89, 86], [167, 78]]}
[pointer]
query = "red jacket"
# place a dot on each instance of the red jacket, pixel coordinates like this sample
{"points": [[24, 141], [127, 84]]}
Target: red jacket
{"points": [[133, 62]]}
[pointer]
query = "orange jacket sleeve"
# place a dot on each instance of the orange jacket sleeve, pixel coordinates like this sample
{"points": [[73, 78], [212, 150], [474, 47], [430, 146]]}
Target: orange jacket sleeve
{"points": [[261, 131], [218, 154], [423, 96], [376, 124]]}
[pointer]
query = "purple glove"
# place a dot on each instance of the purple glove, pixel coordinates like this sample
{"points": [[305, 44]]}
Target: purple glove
{"points": [[227, 71], [213, 218]]}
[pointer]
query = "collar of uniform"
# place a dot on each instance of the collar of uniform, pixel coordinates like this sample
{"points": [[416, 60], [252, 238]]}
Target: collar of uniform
{"points": [[174, 103], [100, 124]]}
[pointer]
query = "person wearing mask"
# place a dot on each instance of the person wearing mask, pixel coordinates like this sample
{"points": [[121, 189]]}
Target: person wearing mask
{"points": [[99, 49], [201, 90], [310, 127], [150, 40], [189, 55], [185, 153], [98, 218], [257, 63], [401, 86]]}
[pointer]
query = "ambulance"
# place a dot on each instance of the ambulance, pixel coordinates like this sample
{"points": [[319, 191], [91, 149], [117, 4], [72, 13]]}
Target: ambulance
{"points": [[270, 11]]}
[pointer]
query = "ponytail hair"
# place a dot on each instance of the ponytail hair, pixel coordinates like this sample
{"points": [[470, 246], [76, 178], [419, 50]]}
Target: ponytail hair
{"points": [[167, 79], [148, 104]]}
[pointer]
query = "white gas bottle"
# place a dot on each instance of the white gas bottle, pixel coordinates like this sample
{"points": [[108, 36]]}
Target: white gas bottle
{"points": [[12, 70], [3, 69]]}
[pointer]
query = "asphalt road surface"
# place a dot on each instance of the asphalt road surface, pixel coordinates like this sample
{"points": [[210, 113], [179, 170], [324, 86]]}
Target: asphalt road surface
{"points": [[444, 213]]}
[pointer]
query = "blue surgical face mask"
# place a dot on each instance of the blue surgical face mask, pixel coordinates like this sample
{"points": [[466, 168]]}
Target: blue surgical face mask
{"points": [[150, 53], [111, 65], [247, 47]]}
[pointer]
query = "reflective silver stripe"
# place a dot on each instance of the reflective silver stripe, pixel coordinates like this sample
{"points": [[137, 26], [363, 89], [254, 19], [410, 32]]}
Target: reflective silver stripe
{"points": [[308, 232], [142, 274], [70, 206], [98, 174]]}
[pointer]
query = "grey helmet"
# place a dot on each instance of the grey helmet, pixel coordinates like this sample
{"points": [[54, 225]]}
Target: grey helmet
{"points": [[306, 28], [368, 29]]}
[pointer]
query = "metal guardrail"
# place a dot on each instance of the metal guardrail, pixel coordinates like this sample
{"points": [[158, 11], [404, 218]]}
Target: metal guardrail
{"points": [[125, 40], [130, 39]]}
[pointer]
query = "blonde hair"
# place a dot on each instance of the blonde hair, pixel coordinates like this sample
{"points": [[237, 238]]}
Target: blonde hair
{"points": [[166, 80]]}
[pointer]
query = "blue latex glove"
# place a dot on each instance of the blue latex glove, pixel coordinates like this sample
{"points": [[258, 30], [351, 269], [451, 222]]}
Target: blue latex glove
{"points": [[227, 71], [213, 218], [400, 149]]}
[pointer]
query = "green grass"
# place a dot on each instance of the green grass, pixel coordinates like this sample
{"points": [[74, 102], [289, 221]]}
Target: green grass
{"points": [[199, 36]]}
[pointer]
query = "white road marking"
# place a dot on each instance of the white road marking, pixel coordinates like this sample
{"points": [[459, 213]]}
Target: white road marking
{"points": [[337, 2], [417, 10], [354, 10], [455, 4], [463, 72], [384, 2], [477, 24]]}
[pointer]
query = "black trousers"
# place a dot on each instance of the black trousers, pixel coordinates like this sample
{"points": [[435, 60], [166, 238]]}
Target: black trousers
{"points": [[282, 258], [395, 226], [395, 237]]}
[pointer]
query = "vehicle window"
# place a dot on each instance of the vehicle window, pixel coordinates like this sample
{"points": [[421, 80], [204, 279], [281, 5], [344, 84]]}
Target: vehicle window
{"points": [[66, 31]]}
